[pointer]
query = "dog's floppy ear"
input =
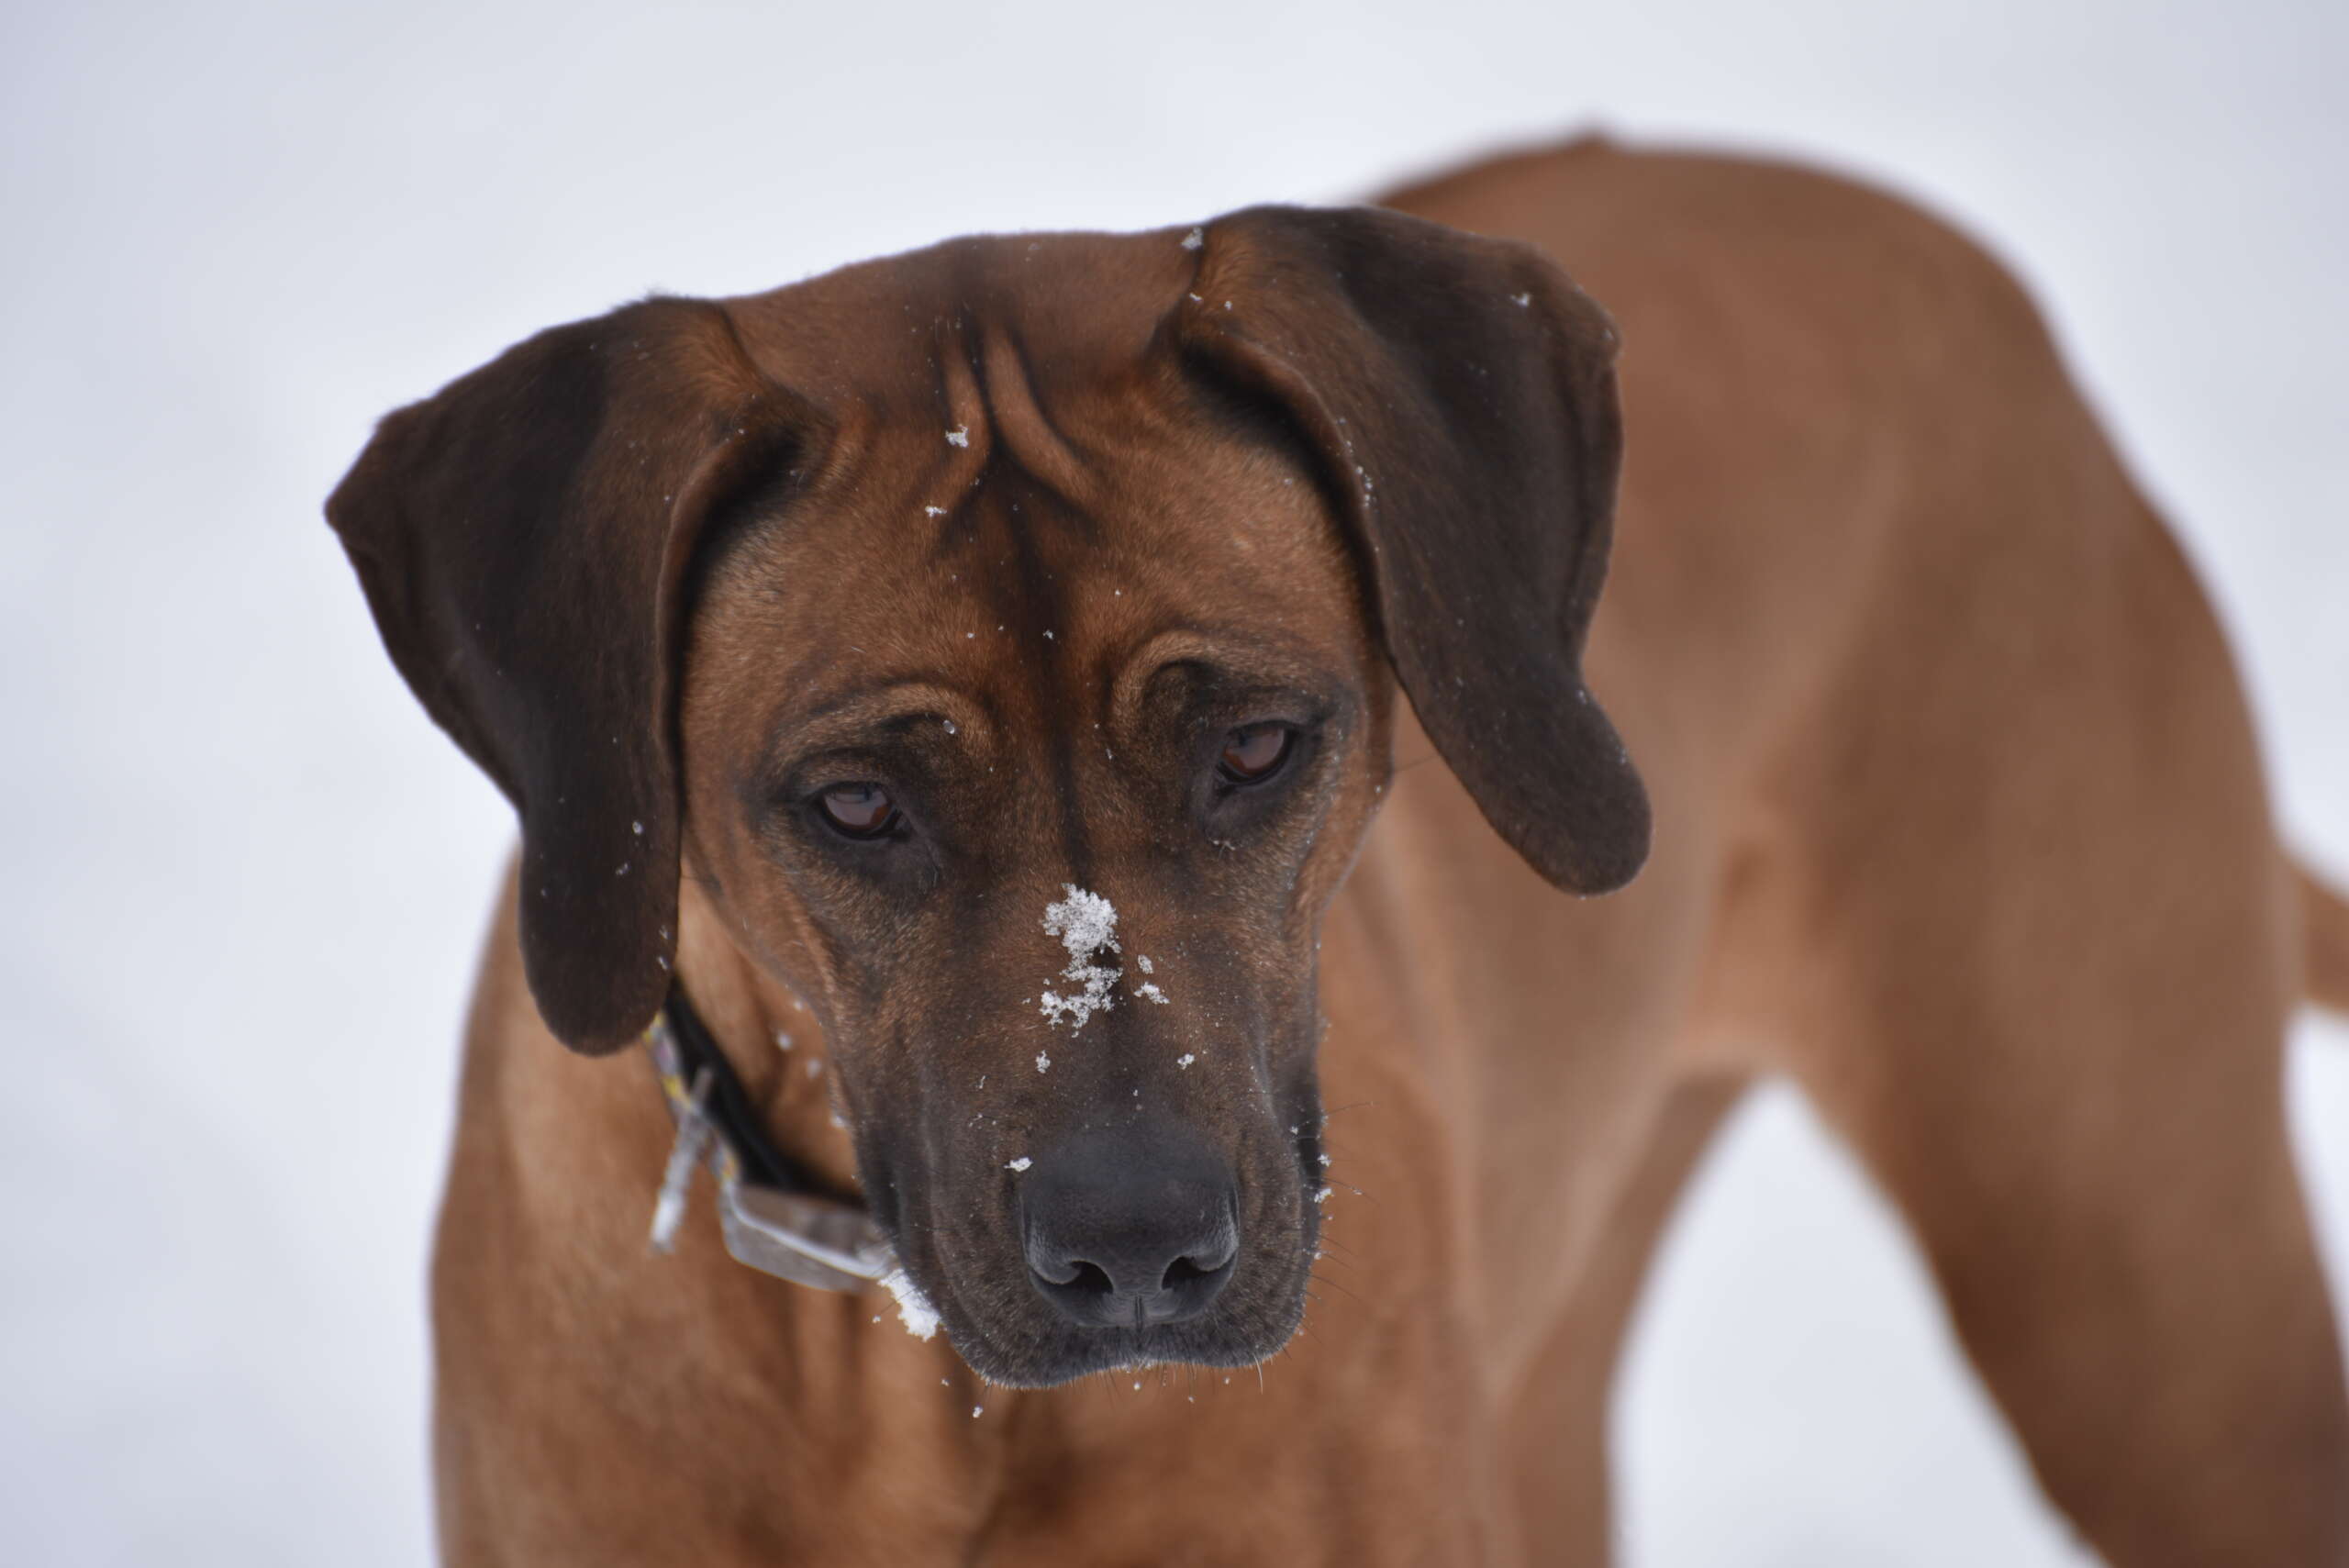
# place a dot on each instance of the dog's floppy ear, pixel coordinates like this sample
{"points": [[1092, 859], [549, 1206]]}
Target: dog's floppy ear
{"points": [[1459, 395], [523, 538]]}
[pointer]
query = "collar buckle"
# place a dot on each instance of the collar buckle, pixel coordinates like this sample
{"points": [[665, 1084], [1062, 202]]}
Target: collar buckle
{"points": [[800, 1236]]}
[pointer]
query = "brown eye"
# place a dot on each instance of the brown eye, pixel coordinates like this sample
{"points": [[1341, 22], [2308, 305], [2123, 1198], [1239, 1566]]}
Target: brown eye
{"points": [[859, 810], [1254, 752]]}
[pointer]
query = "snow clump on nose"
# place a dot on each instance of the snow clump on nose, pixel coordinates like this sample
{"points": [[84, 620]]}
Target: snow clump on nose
{"points": [[1087, 925]]}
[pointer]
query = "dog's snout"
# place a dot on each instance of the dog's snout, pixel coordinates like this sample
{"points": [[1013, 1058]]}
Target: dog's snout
{"points": [[1131, 1228]]}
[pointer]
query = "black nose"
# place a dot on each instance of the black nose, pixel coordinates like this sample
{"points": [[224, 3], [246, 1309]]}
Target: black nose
{"points": [[1129, 1227]]}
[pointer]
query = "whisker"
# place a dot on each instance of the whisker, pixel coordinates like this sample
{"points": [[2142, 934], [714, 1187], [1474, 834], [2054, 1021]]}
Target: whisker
{"points": [[1341, 1289]]}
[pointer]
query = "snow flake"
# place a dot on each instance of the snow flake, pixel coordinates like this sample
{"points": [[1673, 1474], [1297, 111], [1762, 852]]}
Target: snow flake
{"points": [[1185, 1060], [1019, 1164], [960, 436], [1193, 240], [914, 1309]]}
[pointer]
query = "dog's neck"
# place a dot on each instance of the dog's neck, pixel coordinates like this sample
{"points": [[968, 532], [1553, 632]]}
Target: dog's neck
{"points": [[771, 1037]]}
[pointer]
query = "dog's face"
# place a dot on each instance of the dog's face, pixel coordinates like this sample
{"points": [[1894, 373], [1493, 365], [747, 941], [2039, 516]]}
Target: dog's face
{"points": [[1039, 810], [1004, 637]]}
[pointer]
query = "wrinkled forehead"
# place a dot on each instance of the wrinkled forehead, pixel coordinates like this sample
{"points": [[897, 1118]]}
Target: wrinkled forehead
{"points": [[1013, 475]]}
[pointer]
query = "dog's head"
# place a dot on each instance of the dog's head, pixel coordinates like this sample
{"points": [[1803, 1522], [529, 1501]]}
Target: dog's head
{"points": [[1002, 635]]}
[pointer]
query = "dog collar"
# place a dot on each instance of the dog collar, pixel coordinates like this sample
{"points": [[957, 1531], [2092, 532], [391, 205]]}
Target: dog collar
{"points": [[775, 1215]]}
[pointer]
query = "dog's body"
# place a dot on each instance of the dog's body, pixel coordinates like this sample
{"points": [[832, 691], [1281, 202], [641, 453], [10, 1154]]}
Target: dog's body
{"points": [[1959, 822]]}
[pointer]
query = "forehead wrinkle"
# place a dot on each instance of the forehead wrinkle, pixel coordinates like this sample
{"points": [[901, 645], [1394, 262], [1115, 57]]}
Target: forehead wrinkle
{"points": [[1030, 437], [962, 393]]}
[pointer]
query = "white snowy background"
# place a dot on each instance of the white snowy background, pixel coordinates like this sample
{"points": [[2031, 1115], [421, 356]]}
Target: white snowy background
{"points": [[244, 878]]}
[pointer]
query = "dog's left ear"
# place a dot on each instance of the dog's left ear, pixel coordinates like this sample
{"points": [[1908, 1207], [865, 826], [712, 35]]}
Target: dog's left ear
{"points": [[523, 537], [1458, 394]]}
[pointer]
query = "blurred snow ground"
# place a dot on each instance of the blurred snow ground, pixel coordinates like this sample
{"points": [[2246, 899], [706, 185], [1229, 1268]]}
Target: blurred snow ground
{"points": [[247, 878]]}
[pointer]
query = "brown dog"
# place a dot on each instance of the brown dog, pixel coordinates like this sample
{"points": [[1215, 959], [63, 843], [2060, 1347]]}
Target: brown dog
{"points": [[977, 668]]}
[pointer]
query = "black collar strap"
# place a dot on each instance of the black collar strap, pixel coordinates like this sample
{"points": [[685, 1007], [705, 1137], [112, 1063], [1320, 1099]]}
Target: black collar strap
{"points": [[776, 1217], [729, 1107]]}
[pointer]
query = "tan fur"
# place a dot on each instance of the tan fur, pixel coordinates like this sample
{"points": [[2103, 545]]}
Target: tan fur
{"points": [[1959, 821]]}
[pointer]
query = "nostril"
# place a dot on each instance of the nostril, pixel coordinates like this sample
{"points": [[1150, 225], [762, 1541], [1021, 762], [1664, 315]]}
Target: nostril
{"points": [[1196, 1266], [1090, 1279], [1204, 1264], [1180, 1273], [1053, 1270]]}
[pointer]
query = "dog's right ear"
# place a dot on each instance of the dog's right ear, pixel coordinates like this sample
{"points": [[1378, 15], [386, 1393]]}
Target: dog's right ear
{"points": [[523, 540]]}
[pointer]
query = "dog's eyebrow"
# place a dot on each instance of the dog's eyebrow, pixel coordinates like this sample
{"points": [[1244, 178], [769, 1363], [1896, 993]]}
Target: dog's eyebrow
{"points": [[857, 715], [1256, 659]]}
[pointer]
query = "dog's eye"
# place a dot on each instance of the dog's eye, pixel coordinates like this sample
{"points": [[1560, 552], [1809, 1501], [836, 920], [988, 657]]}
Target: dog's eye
{"points": [[859, 810], [1254, 752]]}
